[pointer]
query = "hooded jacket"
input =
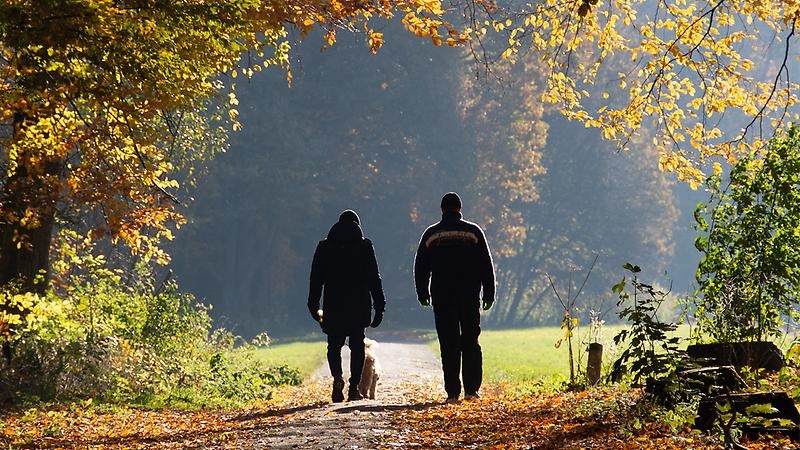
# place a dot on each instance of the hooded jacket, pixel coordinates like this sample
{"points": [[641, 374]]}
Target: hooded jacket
{"points": [[453, 262], [345, 266]]}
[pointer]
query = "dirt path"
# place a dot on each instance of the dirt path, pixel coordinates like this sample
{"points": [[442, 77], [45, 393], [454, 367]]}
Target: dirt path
{"points": [[402, 358], [411, 380]]}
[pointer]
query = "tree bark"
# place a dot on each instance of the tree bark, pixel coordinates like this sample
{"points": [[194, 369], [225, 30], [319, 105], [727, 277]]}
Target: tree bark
{"points": [[25, 250], [29, 263]]}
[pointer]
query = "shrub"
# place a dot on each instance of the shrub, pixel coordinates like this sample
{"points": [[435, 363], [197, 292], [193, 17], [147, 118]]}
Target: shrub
{"points": [[651, 352], [93, 336], [749, 276]]}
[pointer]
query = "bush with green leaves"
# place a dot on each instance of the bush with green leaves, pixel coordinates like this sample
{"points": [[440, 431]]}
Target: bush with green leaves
{"points": [[96, 336], [749, 275], [651, 352]]}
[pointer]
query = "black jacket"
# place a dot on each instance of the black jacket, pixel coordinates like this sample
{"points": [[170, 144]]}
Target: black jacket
{"points": [[345, 265], [454, 258]]}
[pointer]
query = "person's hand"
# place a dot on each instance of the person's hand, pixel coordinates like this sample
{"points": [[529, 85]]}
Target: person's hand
{"points": [[487, 303], [316, 314], [424, 301], [377, 319]]}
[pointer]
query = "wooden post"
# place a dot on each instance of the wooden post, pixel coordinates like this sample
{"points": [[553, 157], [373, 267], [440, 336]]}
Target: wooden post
{"points": [[594, 364]]}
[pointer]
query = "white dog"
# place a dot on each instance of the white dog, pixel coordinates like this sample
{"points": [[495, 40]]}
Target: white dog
{"points": [[372, 370]]}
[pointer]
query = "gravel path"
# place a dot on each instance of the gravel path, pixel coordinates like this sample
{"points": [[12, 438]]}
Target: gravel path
{"points": [[400, 361], [411, 370]]}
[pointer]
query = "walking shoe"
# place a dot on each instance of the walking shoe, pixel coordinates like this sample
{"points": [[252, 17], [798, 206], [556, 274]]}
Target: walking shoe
{"points": [[337, 395], [453, 399], [354, 396], [472, 396]]}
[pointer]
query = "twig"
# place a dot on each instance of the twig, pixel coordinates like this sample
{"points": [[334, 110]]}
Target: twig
{"points": [[597, 255], [563, 305]]}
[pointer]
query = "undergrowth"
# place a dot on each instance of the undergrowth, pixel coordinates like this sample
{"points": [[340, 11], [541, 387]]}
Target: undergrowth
{"points": [[124, 338]]}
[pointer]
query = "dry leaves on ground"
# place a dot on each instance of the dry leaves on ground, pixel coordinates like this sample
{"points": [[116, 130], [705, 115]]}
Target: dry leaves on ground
{"points": [[594, 419], [80, 425]]}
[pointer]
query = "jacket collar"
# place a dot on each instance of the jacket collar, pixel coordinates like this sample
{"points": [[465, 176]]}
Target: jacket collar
{"points": [[451, 216]]}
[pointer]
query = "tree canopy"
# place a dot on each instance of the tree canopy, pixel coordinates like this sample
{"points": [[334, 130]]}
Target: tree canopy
{"points": [[108, 105], [709, 81], [110, 108]]}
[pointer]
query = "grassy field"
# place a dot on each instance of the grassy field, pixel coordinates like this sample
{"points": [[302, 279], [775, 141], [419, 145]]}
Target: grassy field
{"points": [[515, 355], [521, 355], [527, 354], [305, 356]]}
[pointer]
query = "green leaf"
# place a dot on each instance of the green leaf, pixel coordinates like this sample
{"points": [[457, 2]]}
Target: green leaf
{"points": [[760, 409], [701, 243], [619, 287], [632, 268]]}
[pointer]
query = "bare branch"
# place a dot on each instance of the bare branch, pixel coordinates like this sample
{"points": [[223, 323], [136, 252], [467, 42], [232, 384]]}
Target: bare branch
{"points": [[783, 68], [552, 285], [596, 256]]}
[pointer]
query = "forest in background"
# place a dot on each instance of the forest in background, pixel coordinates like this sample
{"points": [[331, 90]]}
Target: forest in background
{"points": [[387, 135]]}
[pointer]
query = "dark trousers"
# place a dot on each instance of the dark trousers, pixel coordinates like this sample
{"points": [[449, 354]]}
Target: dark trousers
{"points": [[458, 325], [356, 344]]}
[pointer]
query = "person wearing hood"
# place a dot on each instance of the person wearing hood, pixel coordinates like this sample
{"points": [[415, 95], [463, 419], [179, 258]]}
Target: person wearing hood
{"points": [[453, 266], [345, 265]]}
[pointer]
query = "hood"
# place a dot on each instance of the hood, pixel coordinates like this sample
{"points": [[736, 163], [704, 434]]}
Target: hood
{"points": [[345, 231]]}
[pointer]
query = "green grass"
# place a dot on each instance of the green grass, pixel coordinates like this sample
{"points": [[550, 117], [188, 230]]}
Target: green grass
{"points": [[527, 354], [523, 355], [304, 356], [518, 356]]}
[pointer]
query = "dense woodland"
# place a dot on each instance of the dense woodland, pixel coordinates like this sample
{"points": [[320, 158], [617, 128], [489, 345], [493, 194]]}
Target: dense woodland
{"points": [[387, 135]]}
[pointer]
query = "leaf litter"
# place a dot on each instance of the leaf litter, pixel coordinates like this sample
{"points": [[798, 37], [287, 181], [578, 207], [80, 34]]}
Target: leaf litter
{"points": [[411, 415]]}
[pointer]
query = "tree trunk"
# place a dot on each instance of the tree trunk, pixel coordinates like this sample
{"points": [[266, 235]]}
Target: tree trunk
{"points": [[523, 278], [535, 301], [25, 250], [29, 263]]}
